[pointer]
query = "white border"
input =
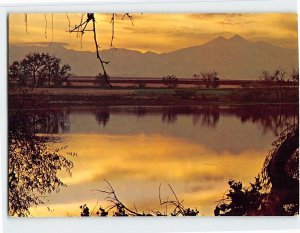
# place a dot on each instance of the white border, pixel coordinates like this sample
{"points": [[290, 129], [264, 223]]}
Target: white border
{"points": [[197, 6], [168, 224]]}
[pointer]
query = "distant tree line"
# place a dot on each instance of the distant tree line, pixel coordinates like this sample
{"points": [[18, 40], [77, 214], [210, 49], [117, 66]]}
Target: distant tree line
{"points": [[280, 76], [170, 81], [41, 69], [204, 79], [38, 69], [281, 80], [208, 79]]}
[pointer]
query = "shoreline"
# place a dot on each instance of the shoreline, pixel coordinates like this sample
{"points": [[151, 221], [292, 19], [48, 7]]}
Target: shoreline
{"points": [[156, 97]]}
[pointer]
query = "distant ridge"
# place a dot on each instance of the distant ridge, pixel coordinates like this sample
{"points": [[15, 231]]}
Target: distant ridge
{"points": [[234, 58]]}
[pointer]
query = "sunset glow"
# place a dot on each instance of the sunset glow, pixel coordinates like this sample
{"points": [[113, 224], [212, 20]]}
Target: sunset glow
{"points": [[153, 115], [155, 32]]}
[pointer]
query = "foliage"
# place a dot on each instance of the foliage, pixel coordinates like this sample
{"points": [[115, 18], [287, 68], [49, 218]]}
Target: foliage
{"points": [[85, 211], [265, 196], [38, 70], [208, 79], [241, 201], [170, 81], [33, 162]]}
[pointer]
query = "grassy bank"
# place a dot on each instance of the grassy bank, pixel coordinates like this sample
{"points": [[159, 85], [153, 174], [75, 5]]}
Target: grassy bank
{"points": [[160, 96]]}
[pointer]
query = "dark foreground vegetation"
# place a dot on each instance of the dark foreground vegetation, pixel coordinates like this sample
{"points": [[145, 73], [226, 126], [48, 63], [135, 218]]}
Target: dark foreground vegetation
{"points": [[274, 192]]}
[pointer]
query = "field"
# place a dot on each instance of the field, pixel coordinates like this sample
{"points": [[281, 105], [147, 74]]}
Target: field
{"points": [[162, 96]]}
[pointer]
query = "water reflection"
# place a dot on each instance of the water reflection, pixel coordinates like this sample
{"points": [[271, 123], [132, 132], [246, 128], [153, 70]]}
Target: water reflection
{"points": [[102, 116], [197, 149], [269, 118]]}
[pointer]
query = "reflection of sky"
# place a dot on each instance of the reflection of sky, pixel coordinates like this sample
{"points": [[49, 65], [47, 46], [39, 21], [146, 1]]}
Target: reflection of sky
{"points": [[137, 154], [238, 136]]}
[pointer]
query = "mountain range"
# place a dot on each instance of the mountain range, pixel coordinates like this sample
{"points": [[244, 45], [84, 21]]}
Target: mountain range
{"points": [[233, 58]]}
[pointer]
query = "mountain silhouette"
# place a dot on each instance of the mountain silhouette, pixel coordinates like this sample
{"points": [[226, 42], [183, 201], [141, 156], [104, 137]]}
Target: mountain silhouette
{"points": [[233, 58]]}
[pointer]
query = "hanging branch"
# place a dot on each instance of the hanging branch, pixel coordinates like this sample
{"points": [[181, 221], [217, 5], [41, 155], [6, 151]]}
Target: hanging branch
{"points": [[46, 25], [51, 29], [82, 28], [112, 21], [69, 21], [102, 62], [129, 17], [26, 23]]}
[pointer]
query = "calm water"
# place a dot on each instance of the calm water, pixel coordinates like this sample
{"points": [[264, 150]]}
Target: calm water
{"points": [[194, 149]]}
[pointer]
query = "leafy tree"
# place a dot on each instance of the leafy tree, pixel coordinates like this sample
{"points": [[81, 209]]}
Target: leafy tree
{"points": [[38, 70], [17, 73]]}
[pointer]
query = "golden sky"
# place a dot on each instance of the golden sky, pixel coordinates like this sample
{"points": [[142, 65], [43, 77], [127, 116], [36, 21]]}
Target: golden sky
{"points": [[156, 32]]}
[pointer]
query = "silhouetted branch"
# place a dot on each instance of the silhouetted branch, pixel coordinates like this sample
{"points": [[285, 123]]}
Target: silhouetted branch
{"points": [[69, 21], [46, 25], [52, 29], [129, 17], [82, 28], [123, 210], [26, 23], [112, 21]]}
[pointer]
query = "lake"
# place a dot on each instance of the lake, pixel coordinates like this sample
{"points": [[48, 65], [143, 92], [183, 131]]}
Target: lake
{"points": [[194, 149]]}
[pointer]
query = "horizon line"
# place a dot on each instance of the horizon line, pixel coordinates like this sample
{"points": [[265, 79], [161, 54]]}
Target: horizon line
{"points": [[64, 45]]}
